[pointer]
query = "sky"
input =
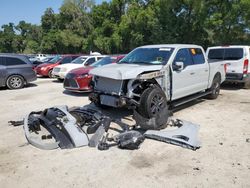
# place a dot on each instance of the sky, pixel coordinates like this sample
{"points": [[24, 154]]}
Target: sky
{"points": [[28, 10]]}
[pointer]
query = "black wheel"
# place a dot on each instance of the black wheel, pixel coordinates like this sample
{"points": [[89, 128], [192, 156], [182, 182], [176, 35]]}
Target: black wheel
{"points": [[60, 79], [153, 101], [50, 74], [215, 89], [15, 82], [247, 84]]}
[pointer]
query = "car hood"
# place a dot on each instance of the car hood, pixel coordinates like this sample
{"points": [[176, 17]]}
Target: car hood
{"points": [[71, 66], [123, 71], [47, 65], [79, 71]]}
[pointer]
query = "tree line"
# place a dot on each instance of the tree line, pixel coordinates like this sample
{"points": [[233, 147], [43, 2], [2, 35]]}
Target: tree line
{"points": [[119, 26]]}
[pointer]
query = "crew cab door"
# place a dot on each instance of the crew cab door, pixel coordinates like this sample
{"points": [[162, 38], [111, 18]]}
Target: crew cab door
{"points": [[190, 79]]}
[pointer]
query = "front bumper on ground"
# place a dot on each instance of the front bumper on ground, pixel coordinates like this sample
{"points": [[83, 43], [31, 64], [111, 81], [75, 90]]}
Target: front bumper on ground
{"points": [[237, 77]]}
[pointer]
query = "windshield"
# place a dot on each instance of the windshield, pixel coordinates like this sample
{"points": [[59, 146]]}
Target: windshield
{"points": [[55, 59], [79, 60], [150, 56], [103, 61]]}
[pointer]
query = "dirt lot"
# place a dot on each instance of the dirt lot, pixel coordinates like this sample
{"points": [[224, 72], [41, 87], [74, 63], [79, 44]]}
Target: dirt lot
{"points": [[223, 160]]}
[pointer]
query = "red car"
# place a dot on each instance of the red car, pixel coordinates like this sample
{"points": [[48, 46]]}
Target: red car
{"points": [[45, 69], [78, 80]]}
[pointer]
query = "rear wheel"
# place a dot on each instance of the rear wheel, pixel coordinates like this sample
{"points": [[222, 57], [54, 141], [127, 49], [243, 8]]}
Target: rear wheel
{"points": [[153, 101], [247, 84], [15, 82], [215, 89], [60, 79]]}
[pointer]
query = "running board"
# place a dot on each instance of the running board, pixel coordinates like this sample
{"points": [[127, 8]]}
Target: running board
{"points": [[188, 99]]}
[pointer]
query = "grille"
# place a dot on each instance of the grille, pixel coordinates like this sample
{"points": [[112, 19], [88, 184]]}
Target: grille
{"points": [[108, 85], [56, 69], [70, 83]]}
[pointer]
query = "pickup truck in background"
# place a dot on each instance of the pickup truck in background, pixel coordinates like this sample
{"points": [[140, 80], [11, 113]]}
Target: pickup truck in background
{"points": [[155, 77], [237, 60]]}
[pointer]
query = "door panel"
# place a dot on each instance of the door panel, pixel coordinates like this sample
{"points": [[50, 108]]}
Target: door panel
{"points": [[183, 81]]}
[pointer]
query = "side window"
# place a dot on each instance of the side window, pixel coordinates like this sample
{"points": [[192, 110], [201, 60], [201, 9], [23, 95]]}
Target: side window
{"points": [[10, 61], [184, 56], [66, 60], [2, 61], [90, 61], [74, 57], [98, 58], [197, 55]]}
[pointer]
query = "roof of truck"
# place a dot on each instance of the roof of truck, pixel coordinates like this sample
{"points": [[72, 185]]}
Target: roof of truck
{"points": [[229, 46], [170, 46]]}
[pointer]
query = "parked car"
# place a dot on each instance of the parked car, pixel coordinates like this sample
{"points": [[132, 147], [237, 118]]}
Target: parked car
{"points": [[82, 61], [78, 80], [41, 56], [155, 77], [45, 69], [237, 59], [15, 71], [35, 63]]}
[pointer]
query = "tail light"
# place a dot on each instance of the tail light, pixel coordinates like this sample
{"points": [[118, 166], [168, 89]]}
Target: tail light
{"points": [[245, 67], [225, 67]]}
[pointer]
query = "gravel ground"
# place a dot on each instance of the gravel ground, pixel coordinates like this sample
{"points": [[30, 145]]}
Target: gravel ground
{"points": [[223, 160]]}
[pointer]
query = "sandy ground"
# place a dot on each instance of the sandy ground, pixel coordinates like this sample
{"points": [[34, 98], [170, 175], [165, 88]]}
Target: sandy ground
{"points": [[223, 160]]}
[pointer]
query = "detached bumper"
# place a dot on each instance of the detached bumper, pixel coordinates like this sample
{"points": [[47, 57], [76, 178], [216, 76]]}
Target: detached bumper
{"points": [[237, 77]]}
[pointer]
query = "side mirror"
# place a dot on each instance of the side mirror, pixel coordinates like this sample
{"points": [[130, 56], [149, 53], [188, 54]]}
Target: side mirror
{"points": [[178, 66]]}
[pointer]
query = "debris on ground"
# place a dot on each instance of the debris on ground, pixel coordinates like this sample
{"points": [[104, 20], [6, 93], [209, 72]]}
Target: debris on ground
{"points": [[83, 126]]}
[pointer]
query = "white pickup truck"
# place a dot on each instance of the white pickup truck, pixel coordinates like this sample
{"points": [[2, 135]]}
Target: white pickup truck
{"points": [[153, 77]]}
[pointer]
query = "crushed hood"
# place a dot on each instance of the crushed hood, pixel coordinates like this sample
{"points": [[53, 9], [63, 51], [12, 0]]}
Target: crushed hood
{"points": [[123, 71]]}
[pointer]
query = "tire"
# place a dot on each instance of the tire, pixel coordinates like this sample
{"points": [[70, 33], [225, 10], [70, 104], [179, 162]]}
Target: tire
{"points": [[215, 88], [50, 74], [153, 100], [15, 82], [247, 84], [60, 79]]}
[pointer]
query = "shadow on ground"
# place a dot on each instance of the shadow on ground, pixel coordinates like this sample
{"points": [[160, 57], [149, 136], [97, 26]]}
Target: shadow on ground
{"points": [[75, 94], [232, 86]]}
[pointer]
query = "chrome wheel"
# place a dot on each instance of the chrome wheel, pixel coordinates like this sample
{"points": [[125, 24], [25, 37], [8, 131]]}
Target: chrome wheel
{"points": [[15, 82]]}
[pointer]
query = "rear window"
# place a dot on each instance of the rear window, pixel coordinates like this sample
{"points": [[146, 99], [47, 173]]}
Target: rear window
{"points": [[216, 54], [226, 54], [10, 61], [233, 54]]}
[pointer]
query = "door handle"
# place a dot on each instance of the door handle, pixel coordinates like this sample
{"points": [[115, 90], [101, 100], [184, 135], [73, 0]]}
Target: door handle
{"points": [[192, 73], [206, 70]]}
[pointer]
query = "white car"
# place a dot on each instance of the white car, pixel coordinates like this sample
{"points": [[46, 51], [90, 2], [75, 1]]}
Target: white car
{"points": [[237, 59], [41, 56], [60, 71]]}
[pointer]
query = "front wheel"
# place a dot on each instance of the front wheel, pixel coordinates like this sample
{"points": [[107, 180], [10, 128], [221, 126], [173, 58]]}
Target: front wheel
{"points": [[15, 82], [50, 74], [215, 88], [153, 102]]}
